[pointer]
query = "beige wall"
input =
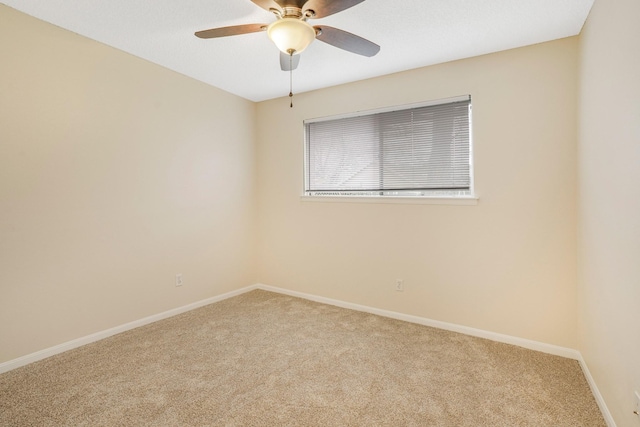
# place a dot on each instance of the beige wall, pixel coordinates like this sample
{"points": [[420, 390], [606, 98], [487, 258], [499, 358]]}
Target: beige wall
{"points": [[506, 265], [609, 203], [115, 174]]}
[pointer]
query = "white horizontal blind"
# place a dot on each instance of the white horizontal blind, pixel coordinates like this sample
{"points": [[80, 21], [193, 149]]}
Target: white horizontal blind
{"points": [[402, 152]]}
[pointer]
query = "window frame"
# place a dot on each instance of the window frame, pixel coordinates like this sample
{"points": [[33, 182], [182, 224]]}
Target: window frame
{"points": [[464, 197]]}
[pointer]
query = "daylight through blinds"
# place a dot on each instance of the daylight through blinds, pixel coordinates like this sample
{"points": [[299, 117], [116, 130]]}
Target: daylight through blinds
{"points": [[397, 152]]}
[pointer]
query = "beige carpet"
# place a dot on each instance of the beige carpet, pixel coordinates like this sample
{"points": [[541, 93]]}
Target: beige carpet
{"points": [[264, 359]]}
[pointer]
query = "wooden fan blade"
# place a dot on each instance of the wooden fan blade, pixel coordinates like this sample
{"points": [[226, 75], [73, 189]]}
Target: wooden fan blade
{"points": [[324, 8], [292, 3], [266, 4], [347, 41], [231, 31], [300, 4], [288, 63]]}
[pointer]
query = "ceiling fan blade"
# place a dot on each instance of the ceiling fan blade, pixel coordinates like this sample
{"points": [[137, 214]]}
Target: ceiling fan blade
{"points": [[280, 4], [266, 4], [292, 3], [231, 31], [287, 62], [347, 41], [324, 8]]}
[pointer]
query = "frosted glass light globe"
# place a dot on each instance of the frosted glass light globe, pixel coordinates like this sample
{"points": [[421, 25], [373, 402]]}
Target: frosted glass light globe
{"points": [[291, 34]]}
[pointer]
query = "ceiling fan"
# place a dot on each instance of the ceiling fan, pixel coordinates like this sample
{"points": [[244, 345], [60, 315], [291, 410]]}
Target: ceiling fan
{"points": [[291, 32]]}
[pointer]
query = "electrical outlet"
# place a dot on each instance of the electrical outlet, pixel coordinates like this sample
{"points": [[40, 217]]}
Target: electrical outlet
{"points": [[637, 408], [399, 285], [179, 279]]}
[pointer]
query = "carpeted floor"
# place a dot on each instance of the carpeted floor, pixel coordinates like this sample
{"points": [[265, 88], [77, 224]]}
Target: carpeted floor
{"points": [[265, 359]]}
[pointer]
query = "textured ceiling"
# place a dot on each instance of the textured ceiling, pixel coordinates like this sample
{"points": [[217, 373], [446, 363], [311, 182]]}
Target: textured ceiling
{"points": [[411, 33]]}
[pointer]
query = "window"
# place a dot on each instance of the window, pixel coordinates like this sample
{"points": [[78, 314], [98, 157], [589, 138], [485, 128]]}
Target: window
{"points": [[421, 150]]}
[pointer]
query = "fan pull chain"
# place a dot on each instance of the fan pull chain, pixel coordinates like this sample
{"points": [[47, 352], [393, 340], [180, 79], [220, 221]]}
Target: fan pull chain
{"points": [[291, 77]]}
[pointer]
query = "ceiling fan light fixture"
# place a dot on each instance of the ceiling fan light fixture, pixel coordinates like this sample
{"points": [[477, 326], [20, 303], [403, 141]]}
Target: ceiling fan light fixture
{"points": [[291, 35]]}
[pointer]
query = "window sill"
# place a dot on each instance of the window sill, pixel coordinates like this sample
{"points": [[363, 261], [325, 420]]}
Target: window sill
{"points": [[464, 201]]}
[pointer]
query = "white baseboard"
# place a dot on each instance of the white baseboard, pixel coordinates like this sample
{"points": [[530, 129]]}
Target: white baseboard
{"points": [[507, 339], [596, 393], [493, 336], [69, 345]]}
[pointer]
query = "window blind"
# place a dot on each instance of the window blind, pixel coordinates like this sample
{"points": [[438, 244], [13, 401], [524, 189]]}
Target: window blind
{"points": [[404, 152]]}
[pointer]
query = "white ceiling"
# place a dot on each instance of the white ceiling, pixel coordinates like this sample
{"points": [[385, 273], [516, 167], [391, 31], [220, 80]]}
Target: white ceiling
{"points": [[411, 33]]}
